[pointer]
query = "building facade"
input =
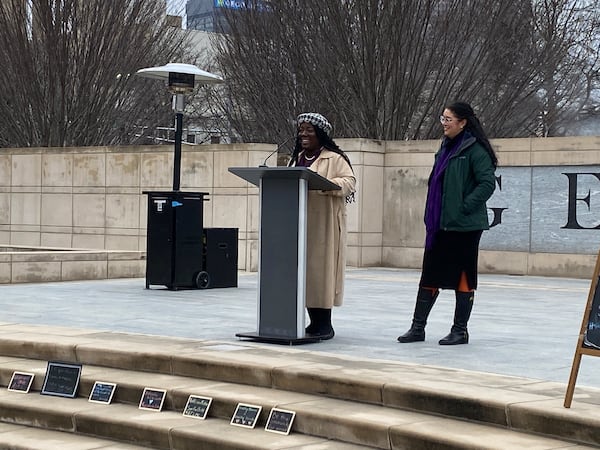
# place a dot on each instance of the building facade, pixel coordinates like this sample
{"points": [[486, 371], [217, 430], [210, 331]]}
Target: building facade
{"points": [[204, 15]]}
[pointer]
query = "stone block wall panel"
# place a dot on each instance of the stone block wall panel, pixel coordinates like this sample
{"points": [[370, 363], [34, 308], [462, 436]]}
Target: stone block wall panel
{"points": [[93, 198]]}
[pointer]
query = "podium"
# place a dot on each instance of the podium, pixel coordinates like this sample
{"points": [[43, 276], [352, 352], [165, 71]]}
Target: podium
{"points": [[283, 194]]}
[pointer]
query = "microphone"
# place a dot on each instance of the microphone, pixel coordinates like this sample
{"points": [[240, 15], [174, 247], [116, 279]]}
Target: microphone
{"points": [[264, 164]]}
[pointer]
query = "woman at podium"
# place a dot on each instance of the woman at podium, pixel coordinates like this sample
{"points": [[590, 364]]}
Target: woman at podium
{"points": [[326, 216]]}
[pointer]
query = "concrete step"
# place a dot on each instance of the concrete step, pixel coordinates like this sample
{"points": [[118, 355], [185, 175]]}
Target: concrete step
{"points": [[19, 437], [149, 429], [326, 422], [381, 404]]}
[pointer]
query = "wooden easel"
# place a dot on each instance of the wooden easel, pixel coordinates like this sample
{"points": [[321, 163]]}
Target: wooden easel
{"points": [[592, 307]]}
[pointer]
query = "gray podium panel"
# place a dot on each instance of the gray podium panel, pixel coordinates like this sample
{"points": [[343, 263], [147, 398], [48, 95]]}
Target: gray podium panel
{"points": [[279, 259]]}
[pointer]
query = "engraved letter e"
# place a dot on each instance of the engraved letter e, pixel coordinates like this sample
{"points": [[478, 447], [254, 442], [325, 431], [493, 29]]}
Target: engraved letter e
{"points": [[572, 205]]}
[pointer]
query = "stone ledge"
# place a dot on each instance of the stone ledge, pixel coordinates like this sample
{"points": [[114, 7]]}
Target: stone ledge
{"points": [[23, 437], [514, 403], [565, 265], [49, 264], [320, 420]]}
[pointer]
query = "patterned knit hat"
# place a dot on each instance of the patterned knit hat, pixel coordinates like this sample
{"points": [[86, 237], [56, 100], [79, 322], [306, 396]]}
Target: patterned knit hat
{"points": [[316, 120]]}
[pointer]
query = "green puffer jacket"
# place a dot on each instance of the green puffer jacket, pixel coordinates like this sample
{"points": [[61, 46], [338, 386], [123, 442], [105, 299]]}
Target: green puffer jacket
{"points": [[469, 181]]}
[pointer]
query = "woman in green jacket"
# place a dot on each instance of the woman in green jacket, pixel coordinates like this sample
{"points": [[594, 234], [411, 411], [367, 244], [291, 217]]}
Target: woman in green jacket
{"points": [[461, 181]]}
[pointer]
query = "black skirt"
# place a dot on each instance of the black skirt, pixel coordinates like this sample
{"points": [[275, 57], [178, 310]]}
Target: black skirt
{"points": [[452, 253]]}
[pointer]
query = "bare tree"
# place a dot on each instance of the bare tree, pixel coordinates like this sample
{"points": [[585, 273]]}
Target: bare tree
{"points": [[67, 75], [380, 69], [568, 47], [203, 114]]}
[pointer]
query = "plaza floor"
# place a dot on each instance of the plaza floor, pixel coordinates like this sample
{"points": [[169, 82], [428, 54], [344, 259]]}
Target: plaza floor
{"points": [[521, 325]]}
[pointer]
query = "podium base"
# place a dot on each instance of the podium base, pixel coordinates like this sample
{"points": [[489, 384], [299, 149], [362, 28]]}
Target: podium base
{"points": [[254, 336]]}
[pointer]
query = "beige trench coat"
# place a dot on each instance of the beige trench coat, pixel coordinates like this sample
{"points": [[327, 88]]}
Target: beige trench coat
{"points": [[326, 233]]}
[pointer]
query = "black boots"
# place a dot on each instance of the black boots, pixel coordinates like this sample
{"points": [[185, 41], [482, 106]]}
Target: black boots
{"points": [[320, 323], [462, 312], [425, 300]]}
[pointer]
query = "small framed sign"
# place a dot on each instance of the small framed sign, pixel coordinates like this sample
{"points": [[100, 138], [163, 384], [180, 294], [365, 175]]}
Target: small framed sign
{"points": [[246, 415], [62, 379], [280, 421], [102, 392], [153, 399], [197, 407], [20, 382]]}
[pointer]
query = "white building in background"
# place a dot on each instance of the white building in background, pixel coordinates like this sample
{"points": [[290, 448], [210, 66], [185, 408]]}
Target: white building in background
{"points": [[209, 15]]}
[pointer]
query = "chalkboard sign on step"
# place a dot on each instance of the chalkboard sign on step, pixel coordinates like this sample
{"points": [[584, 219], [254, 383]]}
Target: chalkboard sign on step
{"points": [[197, 407], [102, 392], [152, 399], [246, 415], [62, 379], [280, 421], [20, 382]]}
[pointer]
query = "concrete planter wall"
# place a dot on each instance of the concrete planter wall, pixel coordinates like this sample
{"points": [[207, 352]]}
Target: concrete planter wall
{"points": [[41, 264], [91, 198]]}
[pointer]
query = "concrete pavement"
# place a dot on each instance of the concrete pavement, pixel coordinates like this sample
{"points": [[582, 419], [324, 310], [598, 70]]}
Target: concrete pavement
{"points": [[522, 326]]}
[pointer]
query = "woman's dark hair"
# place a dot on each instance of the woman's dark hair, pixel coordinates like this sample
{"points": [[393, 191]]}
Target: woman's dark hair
{"points": [[462, 111]]}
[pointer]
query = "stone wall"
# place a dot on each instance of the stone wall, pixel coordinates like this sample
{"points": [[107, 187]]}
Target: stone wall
{"points": [[42, 264], [92, 198], [541, 184]]}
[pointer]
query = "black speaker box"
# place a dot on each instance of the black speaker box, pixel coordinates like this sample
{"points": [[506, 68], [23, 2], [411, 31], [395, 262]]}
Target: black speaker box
{"points": [[221, 257], [174, 243]]}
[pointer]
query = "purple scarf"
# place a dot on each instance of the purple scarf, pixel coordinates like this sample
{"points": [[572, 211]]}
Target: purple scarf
{"points": [[433, 206]]}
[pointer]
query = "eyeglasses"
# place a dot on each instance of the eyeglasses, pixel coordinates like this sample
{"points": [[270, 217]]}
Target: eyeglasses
{"points": [[446, 119]]}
